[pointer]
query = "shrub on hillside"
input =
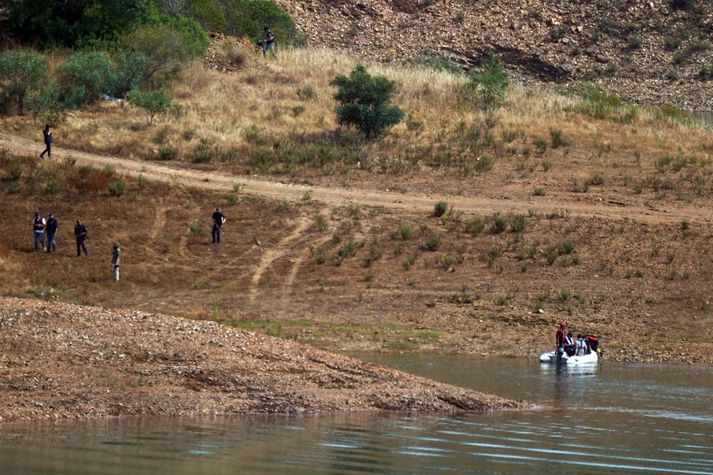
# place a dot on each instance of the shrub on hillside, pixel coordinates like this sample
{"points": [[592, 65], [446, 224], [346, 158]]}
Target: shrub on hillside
{"points": [[69, 23], [22, 73], [85, 76], [167, 48], [130, 71], [244, 18], [365, 102], [488, 88], [152, 103], [46, 105]]}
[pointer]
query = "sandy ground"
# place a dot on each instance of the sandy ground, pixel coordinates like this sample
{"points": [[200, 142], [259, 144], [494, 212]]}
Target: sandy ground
{"points": [[62, 361]]}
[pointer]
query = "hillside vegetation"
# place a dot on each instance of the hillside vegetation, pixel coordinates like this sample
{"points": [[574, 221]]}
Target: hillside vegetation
{"points": [[649, 51]]}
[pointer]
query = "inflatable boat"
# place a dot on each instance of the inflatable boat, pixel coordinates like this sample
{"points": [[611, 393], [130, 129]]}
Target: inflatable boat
{"points": [[562, 358]]}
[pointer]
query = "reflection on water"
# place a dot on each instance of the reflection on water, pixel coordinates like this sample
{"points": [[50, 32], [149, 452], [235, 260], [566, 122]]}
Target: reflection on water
{"points": [[608, 419]]}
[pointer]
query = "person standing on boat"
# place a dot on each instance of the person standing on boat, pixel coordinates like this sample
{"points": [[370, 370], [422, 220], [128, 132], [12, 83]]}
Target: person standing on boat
{"points": [[560, 335], [570, 346]]}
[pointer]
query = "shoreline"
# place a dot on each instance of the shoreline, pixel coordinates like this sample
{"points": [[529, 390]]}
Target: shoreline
{"points": [[62, 362]]}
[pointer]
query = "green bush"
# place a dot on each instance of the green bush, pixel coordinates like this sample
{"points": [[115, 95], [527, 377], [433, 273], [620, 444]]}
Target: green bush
{"points": [[474, 226], [130, 71], [46, 105], [440, 208], [499, 224], [488, 88], [21, 73], [117, 187], [248, 18], [365, 102], [167, 48], [706, 73], [69, 23], [432, 243], [85, 76], [151, 102]]}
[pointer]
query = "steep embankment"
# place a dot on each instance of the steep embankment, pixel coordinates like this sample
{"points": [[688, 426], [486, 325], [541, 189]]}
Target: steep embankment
{"points": [[647, 51], [66, 361]]}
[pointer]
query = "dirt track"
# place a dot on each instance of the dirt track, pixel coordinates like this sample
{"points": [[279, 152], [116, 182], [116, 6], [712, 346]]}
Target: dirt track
{"points": [[367, 197]]}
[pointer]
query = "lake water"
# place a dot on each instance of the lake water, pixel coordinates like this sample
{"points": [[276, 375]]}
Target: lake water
{"points": [[612, 419]]}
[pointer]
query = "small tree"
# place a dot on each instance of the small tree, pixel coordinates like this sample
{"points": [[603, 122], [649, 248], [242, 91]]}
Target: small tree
{"points": [[21, 74], [46, 105], [167, 48], [130, 71], [152, 102], [489, 87], [365, 102], [85, 76]]}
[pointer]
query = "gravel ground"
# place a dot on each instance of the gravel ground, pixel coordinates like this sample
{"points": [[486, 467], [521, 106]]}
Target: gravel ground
{"points": [[60, 361]]}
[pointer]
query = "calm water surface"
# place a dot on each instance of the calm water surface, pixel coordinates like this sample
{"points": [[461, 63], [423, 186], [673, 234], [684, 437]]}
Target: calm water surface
{"points": [[613, 419]]}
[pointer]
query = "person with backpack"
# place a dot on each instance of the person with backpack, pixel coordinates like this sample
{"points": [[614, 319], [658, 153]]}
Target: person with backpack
{"points": [[80, 234], [115, 260], [52, 227], [38, 229], [47, 135], [268, 43], [218, 222]]}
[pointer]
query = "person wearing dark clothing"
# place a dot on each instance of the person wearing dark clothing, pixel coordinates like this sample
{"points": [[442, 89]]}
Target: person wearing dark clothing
{"points": [[268, 43], [47, 133], [80, 233], [115, 260], [218, 222], [570, 345], [38, 228], [51, 233], [559, 335]]}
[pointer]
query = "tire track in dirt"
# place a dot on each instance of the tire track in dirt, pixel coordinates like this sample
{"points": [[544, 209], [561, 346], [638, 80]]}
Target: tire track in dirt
{"points": [[410, 202], [297, 265], [271, 255]]}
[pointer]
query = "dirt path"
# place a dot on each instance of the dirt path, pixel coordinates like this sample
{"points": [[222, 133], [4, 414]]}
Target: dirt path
{"points": [[417, 203], [271, 255]]}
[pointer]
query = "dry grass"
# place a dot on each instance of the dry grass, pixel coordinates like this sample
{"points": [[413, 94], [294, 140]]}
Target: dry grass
{"points": [[277, 117]]}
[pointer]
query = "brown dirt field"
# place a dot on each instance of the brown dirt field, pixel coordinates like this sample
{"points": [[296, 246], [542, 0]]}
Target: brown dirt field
{"points": [[352, 281], [61, 361]]}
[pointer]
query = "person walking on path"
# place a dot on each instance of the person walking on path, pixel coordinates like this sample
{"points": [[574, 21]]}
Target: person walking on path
{"points": [[80, 234], [268, 43], [47, 133], [115, 260], [38, 227], [218, 222], [51, 233]]}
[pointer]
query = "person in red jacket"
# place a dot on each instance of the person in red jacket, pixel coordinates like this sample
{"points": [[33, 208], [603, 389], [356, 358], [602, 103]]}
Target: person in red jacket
{"points": [[560, 335]]}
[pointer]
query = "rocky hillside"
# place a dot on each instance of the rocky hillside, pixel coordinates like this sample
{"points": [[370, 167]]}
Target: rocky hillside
{"points": [[66, 361], [645, 50]]}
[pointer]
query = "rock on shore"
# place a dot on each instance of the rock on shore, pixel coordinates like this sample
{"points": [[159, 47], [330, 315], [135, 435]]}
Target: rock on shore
{"points": [[60, 361]]}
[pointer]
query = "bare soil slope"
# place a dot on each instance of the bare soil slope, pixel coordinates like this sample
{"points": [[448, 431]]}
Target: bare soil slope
{"points": [[66, 361]]}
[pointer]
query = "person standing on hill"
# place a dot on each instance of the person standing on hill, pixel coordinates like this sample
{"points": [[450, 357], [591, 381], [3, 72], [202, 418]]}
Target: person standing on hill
{"points": [[52, 227], [268, 43], [218, 222], [115, 260], [38, 228], [80, 234], [47, 133]]}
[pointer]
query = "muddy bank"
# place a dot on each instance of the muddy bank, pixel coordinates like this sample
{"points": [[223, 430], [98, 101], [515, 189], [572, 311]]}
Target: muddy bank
{"points": [[60, 361]]}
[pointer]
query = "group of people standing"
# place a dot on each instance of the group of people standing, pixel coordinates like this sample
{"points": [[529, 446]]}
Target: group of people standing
{"points": [[582, 345], [45, 239]]}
